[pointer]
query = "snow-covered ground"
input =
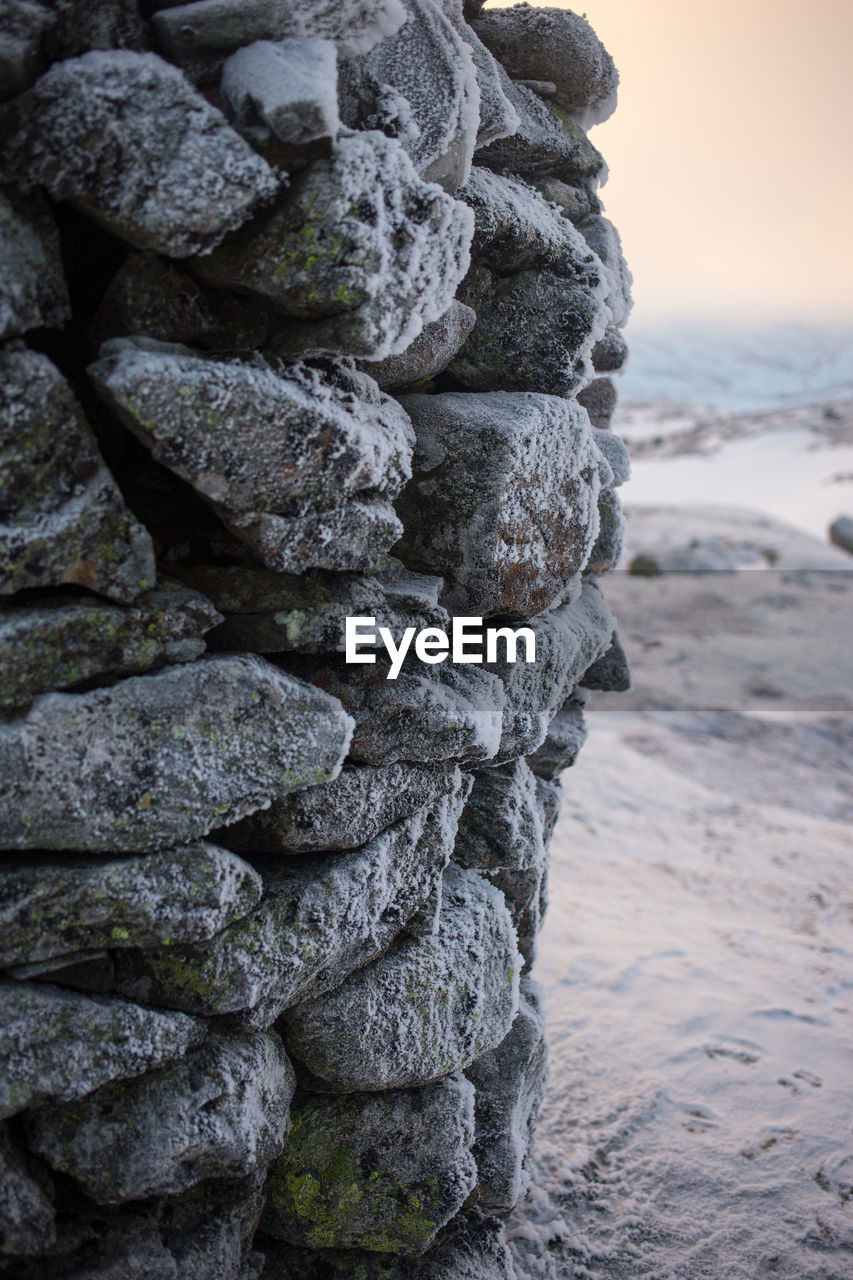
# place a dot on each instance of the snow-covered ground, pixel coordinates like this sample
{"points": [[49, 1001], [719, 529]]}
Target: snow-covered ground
{"points": [[698, 951]]}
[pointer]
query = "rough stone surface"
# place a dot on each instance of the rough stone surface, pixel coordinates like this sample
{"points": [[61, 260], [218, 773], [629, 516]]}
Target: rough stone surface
{"points": [[566, 735], [611, 673], [161, 759], [80, 25], [427, 714], [498, 117], [510, 1083], [608, 547], [431, 351], [126, 140], [358, 258], [574, 202], [59, 643], [556, 45], [62, 518], [444, 992], [362, 801], [273, 450], [50, 908], [599, 400], [320, 919], [58, 1045], [22, 27], [199, 36], [502, 502], [547, 144], [27, 1220], [33, 293], [610, 352], [601, 235], [381, 1171], [219, 1113], [422, 87], [501, 825], [618, 458]]}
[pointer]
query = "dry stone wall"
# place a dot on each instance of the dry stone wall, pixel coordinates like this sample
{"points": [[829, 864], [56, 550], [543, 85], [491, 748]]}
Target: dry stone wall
{"points": [[308, 311]]}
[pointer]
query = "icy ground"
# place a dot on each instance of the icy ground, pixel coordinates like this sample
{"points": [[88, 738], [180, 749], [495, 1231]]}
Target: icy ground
{"points": [[698, 950]]}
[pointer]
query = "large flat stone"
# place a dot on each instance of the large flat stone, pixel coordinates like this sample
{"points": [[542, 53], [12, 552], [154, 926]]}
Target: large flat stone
{"points": [[376, 1171], [62, 517], [58, 643], [320, 919], [280, 452], [220, 1113], [503, 498], [444, 992], [124, 138], [33, 293], [358, 258], [58, 1045], [50, 908], [161, 759]]}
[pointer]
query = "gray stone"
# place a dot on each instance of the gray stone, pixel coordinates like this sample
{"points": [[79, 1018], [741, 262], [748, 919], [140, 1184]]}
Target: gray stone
{"points": [[501, 825], [22, 28], [362, 801], [57, 643], [471, 1247], [601, 235], [430, 67], [574, 202], [498, 117], [534, 332], [510, 1083], [841, 533], [376, 1171], [283, 454], [33, 293], [124, 138], [320, 918], [556, 45], [102, 1246], [62, 517], [547, 144], [359, 257], [566, 735], [283, 98], [525, 889], [503, 499], [150, 297], [50, 908], [568, 640], [608, 547], [615, 451], [427, 714], [430, 353], [219, 1113], [444, 992], [58, 1045], [27, 1220], [201, 35], [611, 673], [161, 759], [209, 1229], [81, 25], [599, 400], [610, 352]]}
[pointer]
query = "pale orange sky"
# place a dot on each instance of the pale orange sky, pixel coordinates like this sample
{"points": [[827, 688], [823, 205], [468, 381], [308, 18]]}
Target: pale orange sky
{"points": [[730, 154]]}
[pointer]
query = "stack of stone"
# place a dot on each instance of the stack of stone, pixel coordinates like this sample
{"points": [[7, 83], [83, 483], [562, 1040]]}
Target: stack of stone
{"points": [[307, 309]]}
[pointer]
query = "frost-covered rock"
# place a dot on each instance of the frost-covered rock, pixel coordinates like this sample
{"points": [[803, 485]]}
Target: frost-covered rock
{"points": [[57, 643], [547, 144], [58, 1045], [27, 1219], [498, 117], [534, 332], [615, 451], [430, 67], [124, 138], [219, 1113], [33, 293], [575, 202], [430, 353], [300, 465], [610, 352], [566, 735], [199, 36], [283, 98], [601, 235], [556, 45], [50, 908], [62, 517], [503, 498], [510, 1083], [376, 1171], [346, 813], [611, 673], [443, 993], [599, 399], [22, 27], [501, 825], [611, 533], [359, 257], [78, 26], [161, 759], [568, 640], [320, 919], [426, 715]]}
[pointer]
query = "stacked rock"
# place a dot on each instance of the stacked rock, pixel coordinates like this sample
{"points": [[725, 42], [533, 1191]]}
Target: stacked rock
{"points": [[308, 311]]}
